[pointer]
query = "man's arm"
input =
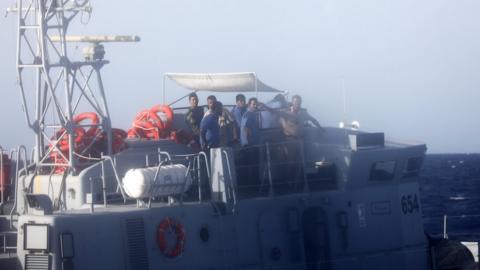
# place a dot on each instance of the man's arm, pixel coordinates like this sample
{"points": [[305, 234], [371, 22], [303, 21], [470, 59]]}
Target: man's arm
{"points": [[203, 133], [314, 121], [235, 134], [246, 126], [247, 131], [279, 112]]}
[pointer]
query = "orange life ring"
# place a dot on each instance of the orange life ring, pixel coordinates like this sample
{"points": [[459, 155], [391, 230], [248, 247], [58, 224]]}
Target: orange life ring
{"points": [[63, 147], [169, 226], [143, 115], [149, 116], [167, 111], [148, 129], [93, 117], [79, 136]]}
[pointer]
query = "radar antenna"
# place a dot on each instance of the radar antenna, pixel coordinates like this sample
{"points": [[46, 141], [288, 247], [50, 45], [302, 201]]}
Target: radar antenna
{"points": [[53, 87]]}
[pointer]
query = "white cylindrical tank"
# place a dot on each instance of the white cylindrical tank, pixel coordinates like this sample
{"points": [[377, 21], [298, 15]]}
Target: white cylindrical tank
{"points": [[171, 180]]}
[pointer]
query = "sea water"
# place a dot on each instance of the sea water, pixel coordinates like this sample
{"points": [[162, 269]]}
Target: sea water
{"points": [[450, 187]]}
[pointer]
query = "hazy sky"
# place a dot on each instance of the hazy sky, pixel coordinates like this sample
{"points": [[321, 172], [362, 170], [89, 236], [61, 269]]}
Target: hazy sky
{"points": [[410, 67]]}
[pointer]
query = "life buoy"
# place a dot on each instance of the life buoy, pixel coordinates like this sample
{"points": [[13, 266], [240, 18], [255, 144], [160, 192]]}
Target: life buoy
{"points": [[79, 136], [167, 112], [149, 116], [63, 147], [143, 115], [149, 130], [152, 124], [93, 117], [169, 226]]}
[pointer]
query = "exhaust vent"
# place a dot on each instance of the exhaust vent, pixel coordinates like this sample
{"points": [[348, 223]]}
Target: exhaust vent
{"points": [[136, 246], [37, 262]]}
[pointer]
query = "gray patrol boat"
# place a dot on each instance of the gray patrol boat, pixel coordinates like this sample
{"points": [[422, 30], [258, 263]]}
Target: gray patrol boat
{"points": [[87, 198]]}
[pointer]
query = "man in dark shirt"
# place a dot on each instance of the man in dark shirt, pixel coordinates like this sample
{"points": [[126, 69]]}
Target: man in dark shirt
{"points": [[210, 129], [194, 115]]}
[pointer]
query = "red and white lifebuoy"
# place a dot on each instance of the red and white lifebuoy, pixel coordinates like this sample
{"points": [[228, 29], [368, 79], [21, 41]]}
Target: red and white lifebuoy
{"points": [[148, 130], [166, 118], [170, 229], [93, 117], [152, 124], [59, 154]]}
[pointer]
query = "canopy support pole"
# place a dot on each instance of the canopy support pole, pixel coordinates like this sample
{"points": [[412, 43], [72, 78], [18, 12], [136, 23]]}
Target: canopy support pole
{"points": [[256, 85], [177, 100], [163, 93]]}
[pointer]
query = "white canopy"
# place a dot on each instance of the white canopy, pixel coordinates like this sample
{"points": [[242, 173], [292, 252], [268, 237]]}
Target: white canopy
{"points": [[221, 82]]}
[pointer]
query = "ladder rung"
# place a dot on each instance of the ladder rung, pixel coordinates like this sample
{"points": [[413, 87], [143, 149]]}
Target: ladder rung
{"points": [[30, 66], [29, 26]]}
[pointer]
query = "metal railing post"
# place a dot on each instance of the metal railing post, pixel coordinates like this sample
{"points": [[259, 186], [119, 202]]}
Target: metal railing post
{"points": [[204, 155], [230, 184], [92, 206], [104, 184], [15, 198], [445, 235], [199, 165], [169, 158], [269, 168], [116, 176], [32, 154], [25, 163]]}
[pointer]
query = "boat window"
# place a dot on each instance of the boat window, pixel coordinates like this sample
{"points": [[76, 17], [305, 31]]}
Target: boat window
{"points": [[412, 167], [383, 170]]}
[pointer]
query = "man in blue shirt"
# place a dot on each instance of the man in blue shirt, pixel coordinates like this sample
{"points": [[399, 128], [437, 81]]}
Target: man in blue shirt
{"points": [[209, 128], [250, 128]]}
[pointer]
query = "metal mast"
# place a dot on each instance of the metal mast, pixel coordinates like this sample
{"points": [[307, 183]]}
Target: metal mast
{"points": [[61, 88]]}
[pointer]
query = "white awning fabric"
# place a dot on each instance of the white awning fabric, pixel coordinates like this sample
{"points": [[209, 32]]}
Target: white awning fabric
{"points": [[221, 82]]}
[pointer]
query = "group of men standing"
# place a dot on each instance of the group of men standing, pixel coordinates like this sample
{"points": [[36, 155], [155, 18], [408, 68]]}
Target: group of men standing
{"points": [[220, 127]]}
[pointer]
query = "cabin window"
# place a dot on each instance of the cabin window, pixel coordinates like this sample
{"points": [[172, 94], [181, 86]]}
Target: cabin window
{"points": [[383, 170], [412, 167]]}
